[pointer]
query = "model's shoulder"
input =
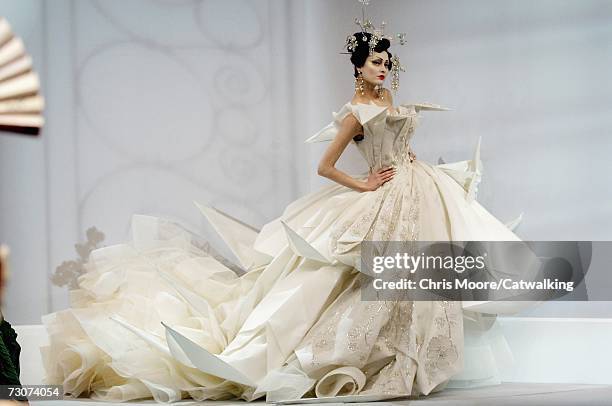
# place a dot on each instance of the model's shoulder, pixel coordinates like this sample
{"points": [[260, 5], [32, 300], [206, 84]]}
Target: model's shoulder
{"points": [[350, 117], [358, 99]]}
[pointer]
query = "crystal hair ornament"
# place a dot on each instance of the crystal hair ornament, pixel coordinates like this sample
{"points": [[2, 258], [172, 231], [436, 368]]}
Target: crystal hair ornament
{"points": [[376, 34]]}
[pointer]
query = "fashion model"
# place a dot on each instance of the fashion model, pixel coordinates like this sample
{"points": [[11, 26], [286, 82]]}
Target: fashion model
{"points": [[162, 317]]}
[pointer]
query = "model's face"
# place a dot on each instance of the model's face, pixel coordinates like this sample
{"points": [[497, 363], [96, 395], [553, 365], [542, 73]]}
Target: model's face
{"points": [[376, 68]]}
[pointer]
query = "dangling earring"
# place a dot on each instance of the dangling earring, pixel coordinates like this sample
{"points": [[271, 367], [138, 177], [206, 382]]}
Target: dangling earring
{"points": [[359, 85], [381, 93]]}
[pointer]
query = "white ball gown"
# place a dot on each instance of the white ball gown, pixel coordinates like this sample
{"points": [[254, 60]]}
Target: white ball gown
{"points": [[161, 317]]}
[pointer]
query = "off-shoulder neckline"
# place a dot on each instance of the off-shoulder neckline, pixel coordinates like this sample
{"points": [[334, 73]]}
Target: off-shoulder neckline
{"points": [[394, 111]]}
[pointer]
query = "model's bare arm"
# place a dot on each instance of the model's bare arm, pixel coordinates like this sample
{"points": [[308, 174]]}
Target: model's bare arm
{"points": [[349, 128]]}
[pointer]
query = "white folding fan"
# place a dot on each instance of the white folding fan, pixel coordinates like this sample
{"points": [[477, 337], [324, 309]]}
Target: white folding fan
{"points": [[21, 105]]}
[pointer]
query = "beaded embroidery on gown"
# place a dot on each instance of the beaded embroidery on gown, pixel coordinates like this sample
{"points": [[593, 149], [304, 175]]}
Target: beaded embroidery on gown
{"points": [[161, 317]]}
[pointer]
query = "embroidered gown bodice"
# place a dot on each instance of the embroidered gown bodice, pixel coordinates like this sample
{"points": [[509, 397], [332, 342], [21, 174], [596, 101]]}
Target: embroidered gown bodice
{"points": [[387, 131], [386, 135]]}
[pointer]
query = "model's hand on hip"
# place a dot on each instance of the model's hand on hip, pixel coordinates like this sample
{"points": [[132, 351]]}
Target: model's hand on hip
{"points": [[377, 178]]}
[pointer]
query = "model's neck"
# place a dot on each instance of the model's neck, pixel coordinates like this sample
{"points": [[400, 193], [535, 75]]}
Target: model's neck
{"points": [[370, 91]]}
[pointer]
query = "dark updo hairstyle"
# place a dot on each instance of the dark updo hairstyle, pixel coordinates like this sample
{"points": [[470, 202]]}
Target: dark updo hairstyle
{"points": [[362, 51]]}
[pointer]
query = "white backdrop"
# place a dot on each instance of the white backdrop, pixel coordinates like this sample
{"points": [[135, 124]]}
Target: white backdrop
{"points": [[153, 104]]}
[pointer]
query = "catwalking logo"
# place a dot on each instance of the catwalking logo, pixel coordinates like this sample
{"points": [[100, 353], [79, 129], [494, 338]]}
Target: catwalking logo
{"points": [[411, 263], [507, 284]]}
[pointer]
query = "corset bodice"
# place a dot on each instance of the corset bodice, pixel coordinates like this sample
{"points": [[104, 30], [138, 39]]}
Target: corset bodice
{"points": [[386, 133]]}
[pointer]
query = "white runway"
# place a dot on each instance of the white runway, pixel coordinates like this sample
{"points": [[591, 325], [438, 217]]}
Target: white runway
{"points": [[507, 394]]}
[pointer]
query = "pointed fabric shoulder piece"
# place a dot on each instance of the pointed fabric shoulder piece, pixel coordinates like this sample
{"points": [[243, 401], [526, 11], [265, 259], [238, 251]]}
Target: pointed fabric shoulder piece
{"points": [[329, 132], [238, 236], [426, 106], [362, 112], [367, 112], [181, 347]]}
